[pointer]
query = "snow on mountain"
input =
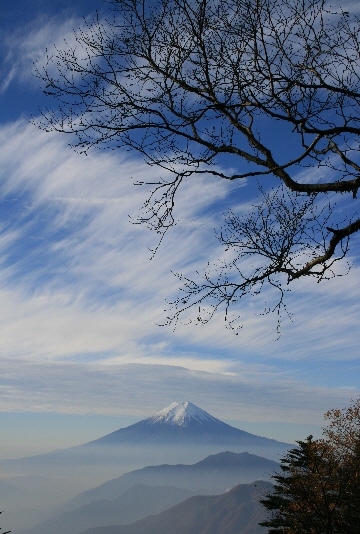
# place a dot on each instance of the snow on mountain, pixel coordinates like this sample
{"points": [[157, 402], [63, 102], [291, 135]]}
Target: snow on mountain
{"points": [[178, 433], [183, 423], [180, 414]]}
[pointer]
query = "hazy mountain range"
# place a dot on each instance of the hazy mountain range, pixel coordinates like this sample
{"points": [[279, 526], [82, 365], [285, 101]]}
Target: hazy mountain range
{"points": [[235, 512], [215, 474], [137, 502], [152, 489], [149, 478]]}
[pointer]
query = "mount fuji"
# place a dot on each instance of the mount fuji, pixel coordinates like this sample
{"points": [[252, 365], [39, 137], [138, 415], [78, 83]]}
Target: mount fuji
{"points": [[183, 423], [181, 432]]}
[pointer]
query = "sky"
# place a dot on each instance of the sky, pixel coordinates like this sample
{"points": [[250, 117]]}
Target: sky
{"points": [[82, 300]]}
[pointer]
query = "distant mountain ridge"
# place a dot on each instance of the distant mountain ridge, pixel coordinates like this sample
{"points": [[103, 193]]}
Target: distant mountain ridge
{"points": [[136, 503], [216, 474], [237, 511], [172, 444], [154, 489]]}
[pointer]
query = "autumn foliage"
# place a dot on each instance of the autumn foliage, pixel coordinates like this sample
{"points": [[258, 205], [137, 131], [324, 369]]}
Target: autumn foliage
{"points": [[318, 488]]}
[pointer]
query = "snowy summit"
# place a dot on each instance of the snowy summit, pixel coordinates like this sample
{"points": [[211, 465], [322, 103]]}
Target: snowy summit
{"points": [[184, 424], [180, 414]]}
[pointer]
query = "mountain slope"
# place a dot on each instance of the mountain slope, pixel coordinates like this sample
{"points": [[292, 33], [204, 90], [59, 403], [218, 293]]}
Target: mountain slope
{"points": [[182, 432], [136, 503], [182, 423], [215, 474], [237, 511]]}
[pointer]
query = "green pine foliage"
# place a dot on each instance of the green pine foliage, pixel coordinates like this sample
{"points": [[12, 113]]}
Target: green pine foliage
{"points": [[317, 490]]}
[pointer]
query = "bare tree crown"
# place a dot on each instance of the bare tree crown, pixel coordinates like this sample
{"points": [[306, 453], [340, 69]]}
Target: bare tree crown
{"points": [[269, 87]]}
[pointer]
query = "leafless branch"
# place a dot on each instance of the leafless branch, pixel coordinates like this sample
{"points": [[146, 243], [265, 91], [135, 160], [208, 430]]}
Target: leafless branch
{"points": [[269, 88]]}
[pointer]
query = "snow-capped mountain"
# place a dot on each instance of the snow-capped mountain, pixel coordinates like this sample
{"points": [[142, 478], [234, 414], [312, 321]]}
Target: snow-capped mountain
{"points": [[183, 423], [182, 414], [181, 432]]}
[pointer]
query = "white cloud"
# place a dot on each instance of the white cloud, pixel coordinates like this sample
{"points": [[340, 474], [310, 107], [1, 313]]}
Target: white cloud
{"points": [[80, 273], [142, 389], [80, 300], [32, 43]]}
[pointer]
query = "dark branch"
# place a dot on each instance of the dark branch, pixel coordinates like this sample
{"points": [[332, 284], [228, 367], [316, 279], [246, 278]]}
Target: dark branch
{"points": [[235, 89]]}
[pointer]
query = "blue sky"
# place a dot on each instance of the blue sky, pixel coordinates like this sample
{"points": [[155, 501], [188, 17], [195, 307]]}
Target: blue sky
{"points": [[81, 352]]}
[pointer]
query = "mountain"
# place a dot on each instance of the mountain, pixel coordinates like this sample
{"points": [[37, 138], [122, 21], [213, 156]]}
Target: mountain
{"points": [[137, 502], [182, 423], [237, 511], [11, 492], [20, 489], [153, 489], [215, 474], [27, 500], [182, 432]]}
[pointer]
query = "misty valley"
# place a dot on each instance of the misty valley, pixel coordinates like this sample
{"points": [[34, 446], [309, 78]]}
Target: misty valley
{"points": [[179, 471]]}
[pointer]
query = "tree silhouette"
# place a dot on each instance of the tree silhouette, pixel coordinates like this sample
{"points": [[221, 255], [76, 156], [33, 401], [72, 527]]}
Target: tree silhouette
{"points": [[318, 489], [263, 90]]}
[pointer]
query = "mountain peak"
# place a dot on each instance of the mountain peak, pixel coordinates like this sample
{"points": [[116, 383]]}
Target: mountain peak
{"points": [[180, 414], [183, 424]]}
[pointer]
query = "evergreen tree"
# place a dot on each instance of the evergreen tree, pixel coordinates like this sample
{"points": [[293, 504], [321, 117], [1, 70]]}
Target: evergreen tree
{"points": [[317, 490]]}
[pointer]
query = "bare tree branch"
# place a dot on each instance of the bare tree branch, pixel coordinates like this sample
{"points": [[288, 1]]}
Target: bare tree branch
{"points": [[235, 89]]}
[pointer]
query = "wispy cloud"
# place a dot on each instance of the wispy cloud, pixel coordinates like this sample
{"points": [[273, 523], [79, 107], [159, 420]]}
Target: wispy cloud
{"points": [[81, 299], [31, 43], [71, 257], [141, 389]]}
